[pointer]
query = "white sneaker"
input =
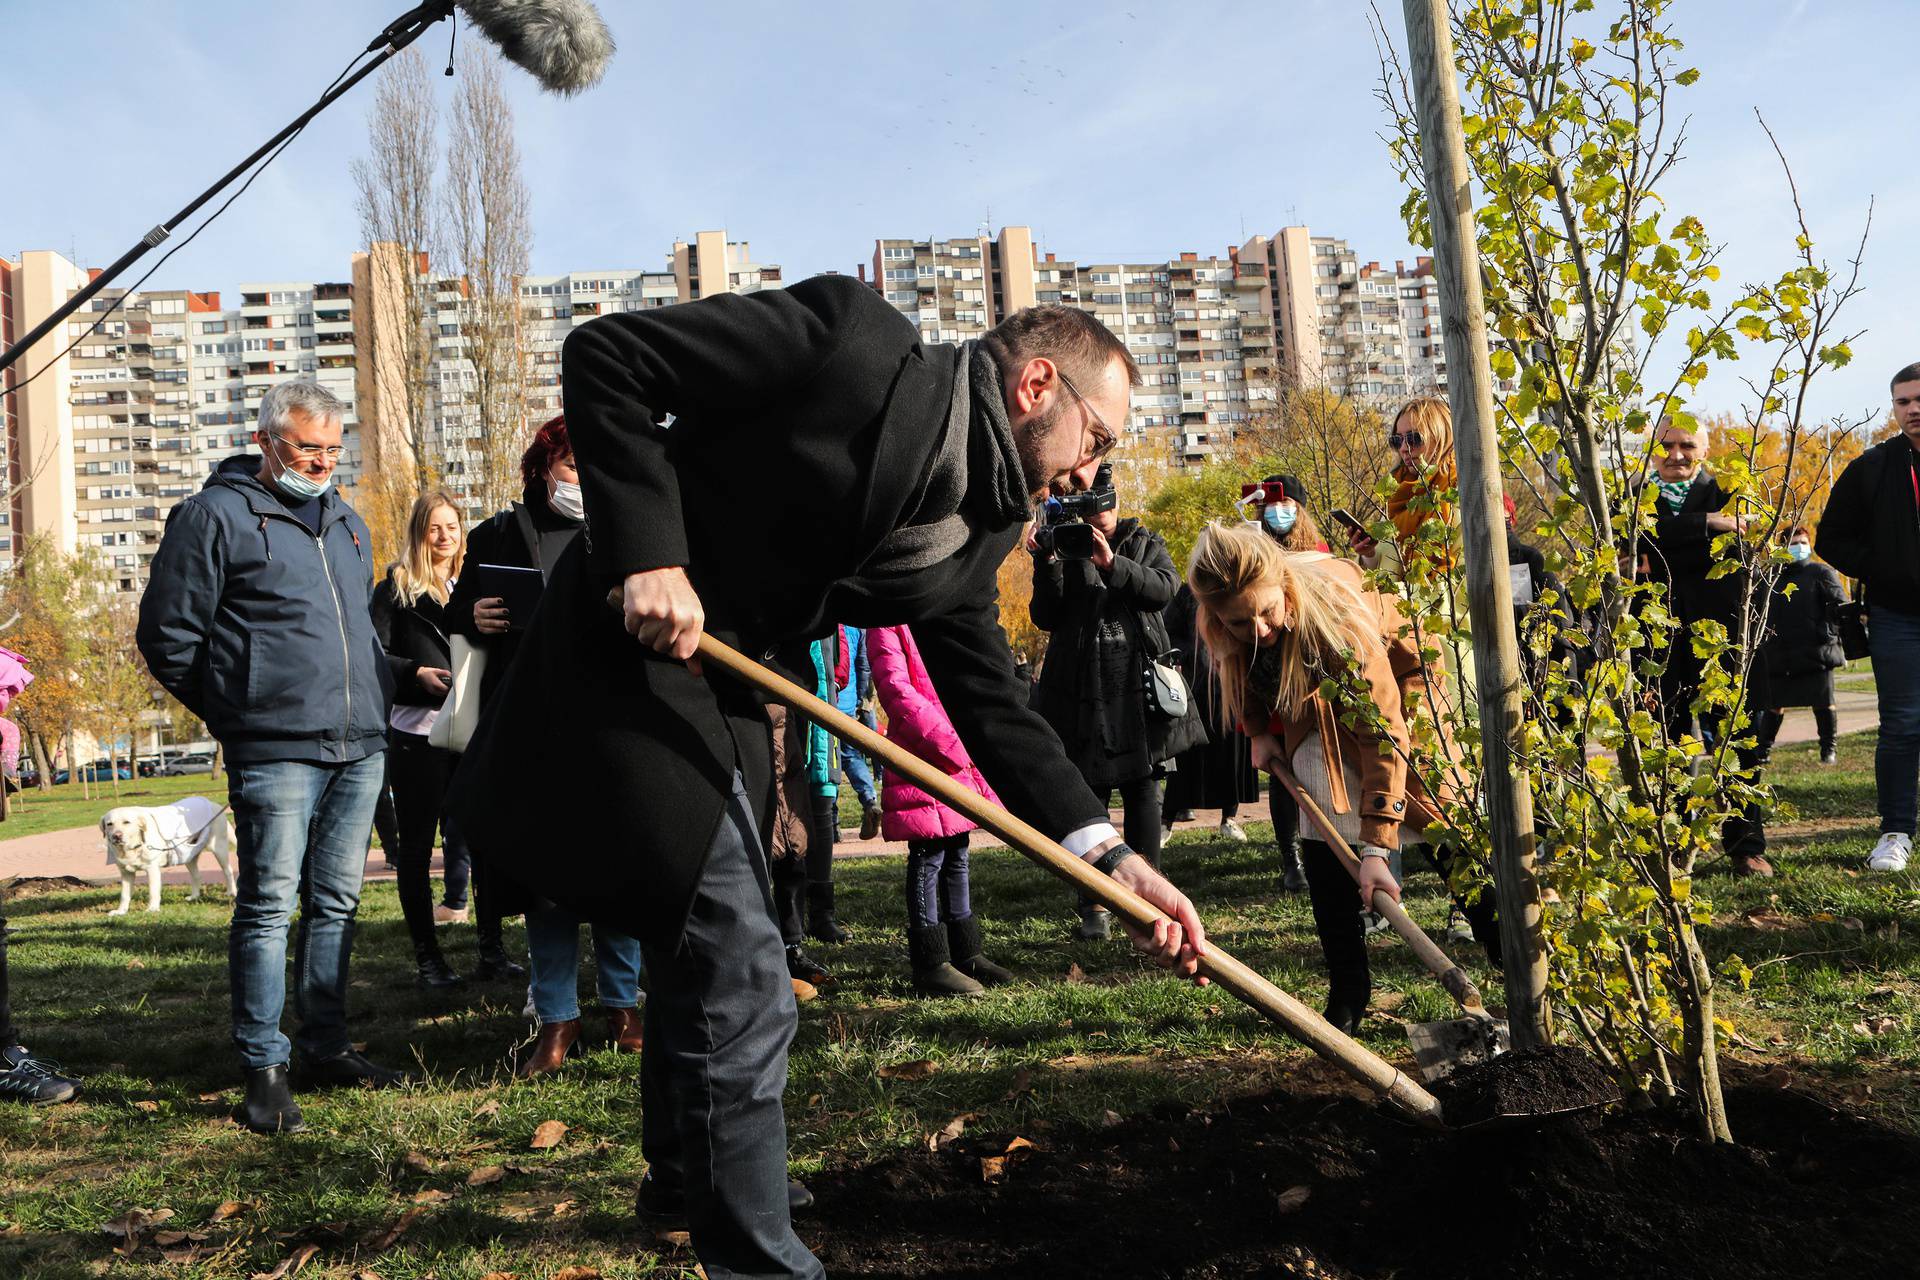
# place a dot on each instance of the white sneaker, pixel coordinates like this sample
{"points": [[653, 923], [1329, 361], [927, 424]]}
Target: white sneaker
{"points": [[1232, 830], [1891, 853]]}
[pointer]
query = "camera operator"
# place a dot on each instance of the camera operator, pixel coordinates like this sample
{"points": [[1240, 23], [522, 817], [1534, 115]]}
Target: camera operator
{"points": [[1100, 584]]}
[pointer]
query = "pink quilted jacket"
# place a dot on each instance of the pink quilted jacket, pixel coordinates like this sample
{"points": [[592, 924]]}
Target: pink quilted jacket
{"points": [[917, 721]]}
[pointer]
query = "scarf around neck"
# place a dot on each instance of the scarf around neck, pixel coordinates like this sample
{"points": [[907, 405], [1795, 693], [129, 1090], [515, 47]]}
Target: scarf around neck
{"points": [[976, 484], [1674, 492]]}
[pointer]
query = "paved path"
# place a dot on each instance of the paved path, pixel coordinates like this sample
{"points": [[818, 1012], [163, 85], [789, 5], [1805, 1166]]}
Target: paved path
{"points": [[78, 851]]}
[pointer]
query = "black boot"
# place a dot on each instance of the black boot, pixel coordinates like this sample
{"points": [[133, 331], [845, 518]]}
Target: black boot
{"points": [[433, 969], [933, 971], [1293, 877], [269, 1106], [350, 1069], [821, 925], [804, 967], [495, 964], [963, 941]]}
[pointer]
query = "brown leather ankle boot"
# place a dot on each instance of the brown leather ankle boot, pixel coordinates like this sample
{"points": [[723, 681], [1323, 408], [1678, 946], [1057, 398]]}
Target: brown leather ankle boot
{"points": [[549, 1052], [623, 1027]]}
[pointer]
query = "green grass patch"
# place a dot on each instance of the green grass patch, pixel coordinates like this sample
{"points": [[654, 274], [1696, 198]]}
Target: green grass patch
{"points": [[138, 1004], [59, 808]]}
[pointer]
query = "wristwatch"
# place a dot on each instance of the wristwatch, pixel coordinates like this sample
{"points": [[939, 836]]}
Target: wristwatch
{"points": [[1113, 857]]}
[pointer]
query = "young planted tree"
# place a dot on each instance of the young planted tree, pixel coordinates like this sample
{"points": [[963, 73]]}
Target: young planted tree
{"points": [[1603, 316], [53, 594], [118, 693], [490, 231]]}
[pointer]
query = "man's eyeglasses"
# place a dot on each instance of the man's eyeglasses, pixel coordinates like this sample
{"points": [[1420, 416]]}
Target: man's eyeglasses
{"points": [[1104, 439], [308, 452], [1413, 439]]}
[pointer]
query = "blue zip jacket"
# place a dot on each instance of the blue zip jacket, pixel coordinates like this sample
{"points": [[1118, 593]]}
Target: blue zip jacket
{"points": [[261, 627]]}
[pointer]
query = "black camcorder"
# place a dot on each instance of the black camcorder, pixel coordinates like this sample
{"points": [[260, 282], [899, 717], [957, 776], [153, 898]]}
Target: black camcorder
{"points": [[1066, 533]]}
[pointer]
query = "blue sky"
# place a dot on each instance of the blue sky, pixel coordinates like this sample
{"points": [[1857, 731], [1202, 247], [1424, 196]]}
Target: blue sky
{"points": [[1114, 131]]}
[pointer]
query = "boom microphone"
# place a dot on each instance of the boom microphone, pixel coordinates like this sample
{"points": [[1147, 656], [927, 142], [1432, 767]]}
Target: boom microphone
{"points": [[562, 43]]}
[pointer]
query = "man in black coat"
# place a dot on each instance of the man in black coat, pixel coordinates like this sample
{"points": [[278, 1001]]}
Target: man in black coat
{"points": [[1103, 613], [1688, 515], [820, 466], [1871, 531]]}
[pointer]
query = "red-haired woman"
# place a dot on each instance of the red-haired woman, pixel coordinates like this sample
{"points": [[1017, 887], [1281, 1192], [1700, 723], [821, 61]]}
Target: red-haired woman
{"points": [[532, 534]]}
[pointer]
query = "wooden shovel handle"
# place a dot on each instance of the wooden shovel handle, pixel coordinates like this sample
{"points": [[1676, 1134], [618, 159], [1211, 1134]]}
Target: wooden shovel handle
{"points": [[1451, 975], [1302, 1022]]}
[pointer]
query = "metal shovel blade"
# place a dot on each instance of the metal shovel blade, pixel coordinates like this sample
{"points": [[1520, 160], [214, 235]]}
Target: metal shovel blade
{"points": [[1440, 1048]]}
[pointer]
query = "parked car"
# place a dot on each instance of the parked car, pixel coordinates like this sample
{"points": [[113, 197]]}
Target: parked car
{"points": [[98, 771], [192, 762], [146, 766]]}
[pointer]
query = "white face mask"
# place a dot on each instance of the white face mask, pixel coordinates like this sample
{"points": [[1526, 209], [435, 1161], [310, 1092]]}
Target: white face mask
{"points": [[297, 485], [566, 500]]}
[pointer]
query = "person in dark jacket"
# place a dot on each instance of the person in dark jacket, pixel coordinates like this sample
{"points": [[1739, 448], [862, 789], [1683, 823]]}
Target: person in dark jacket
{"points": [[535, 533], [409, 615], [256, 618], [1870, 531], [1104, 614], [1689, 513], [1802, 646], [912, 469]]}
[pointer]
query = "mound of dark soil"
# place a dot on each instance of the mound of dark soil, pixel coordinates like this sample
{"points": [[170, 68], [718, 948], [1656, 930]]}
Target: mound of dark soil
{"points": [[1291, 1185], [1535, 1082]]}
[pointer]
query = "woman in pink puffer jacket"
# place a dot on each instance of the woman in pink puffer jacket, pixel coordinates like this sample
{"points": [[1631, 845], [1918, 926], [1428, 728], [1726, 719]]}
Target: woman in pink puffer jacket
{"points": [[943, 935]]}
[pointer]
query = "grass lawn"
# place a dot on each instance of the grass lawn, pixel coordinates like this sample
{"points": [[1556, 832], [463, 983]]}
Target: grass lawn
{"points": [[138, 1005], [58, 808]]}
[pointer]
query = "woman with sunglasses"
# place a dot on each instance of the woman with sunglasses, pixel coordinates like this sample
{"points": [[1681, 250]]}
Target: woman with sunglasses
{"points": [[1422, 443]]}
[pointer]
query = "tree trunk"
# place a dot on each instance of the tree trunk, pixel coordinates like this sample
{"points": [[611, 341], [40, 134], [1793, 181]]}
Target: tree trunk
{"points": [[42, 758], [219, 759]]}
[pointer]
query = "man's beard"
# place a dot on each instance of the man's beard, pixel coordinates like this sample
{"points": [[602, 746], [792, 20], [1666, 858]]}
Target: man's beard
{"points": [[1029, 435]]}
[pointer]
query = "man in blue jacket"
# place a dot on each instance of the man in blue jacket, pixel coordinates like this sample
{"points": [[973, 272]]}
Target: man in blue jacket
{"points": [[256, 618]]}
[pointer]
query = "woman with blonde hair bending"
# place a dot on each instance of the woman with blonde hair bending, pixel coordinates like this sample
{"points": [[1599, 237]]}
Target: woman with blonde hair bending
{"points": [[1277, 624]]}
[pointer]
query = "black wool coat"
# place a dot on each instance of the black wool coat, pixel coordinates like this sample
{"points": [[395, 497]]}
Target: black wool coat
{"points": [[1870, 528], [414, 636], [803, 426], [1803, 622], [1113, 741], [516, 537], [1680, 552]]}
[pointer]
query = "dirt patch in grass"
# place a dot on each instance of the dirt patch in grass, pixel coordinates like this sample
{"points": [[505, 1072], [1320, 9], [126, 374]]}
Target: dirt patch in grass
{"points": [[1286, 1184]]}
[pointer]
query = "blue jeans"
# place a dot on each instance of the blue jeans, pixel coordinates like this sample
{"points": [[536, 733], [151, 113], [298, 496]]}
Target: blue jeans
{"points": [[719, 1019], [853, 763], [302, 830], [1895, 641], [938, 888], [553, 958]]}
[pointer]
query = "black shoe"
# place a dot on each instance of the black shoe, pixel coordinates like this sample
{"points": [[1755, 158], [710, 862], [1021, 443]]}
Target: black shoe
{"points": [[821, 926], [1345, 1015], [432, 970], [804, 967], [269, 1106], [495, 964], [348, 1068], [1294, 876], [34, 1081], [662, 1209], [1094, 926]]}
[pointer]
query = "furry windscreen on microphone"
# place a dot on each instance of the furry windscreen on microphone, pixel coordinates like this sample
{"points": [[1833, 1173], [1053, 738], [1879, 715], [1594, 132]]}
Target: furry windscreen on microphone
{"points": [[563, 43]]}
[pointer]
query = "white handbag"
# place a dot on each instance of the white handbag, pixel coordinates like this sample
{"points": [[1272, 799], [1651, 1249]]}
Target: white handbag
{"points": [[460, 714]]}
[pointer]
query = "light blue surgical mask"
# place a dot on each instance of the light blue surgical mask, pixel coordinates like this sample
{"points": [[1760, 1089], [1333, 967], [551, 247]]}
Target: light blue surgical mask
{"points": [[1800, 551], [1279, 517], [301, 488]]}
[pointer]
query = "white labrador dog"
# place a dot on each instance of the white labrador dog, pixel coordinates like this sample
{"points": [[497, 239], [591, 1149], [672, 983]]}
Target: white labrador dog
{"points": [[175, 835]]}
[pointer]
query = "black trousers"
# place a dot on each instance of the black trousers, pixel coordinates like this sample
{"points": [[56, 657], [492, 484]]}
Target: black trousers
{"points": [[1139, 823], [1336, 918], [1767, 728], [420, 776], [9, 1034], [1745, 833], [1285, 814]]}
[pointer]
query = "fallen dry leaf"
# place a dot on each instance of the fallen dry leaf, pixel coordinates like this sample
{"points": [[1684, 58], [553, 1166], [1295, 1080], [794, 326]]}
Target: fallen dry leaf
{"points": [[950, 1130], [481, 1177], [1777, 1078], [291, 1264], [385, 1239], [1853, 924], [1876, 1026], [1022, 1083], [1290, 1200], [167, 1238], [432, 1195], [1075, 974], [1771, 921], [918, 1069], [500, 1275], [548, 1134], [136, 964], [491, 1107], [1108, 1119], [1019, 1145], [147, 1105], [364, 1274], [215, 1096], [417, 1162], [134, 1221], [227, 1209], [993, 1168], [577, 1273]]}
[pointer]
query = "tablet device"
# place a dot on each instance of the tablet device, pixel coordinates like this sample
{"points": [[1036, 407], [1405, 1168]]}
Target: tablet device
{"points": [[520, 588]]}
